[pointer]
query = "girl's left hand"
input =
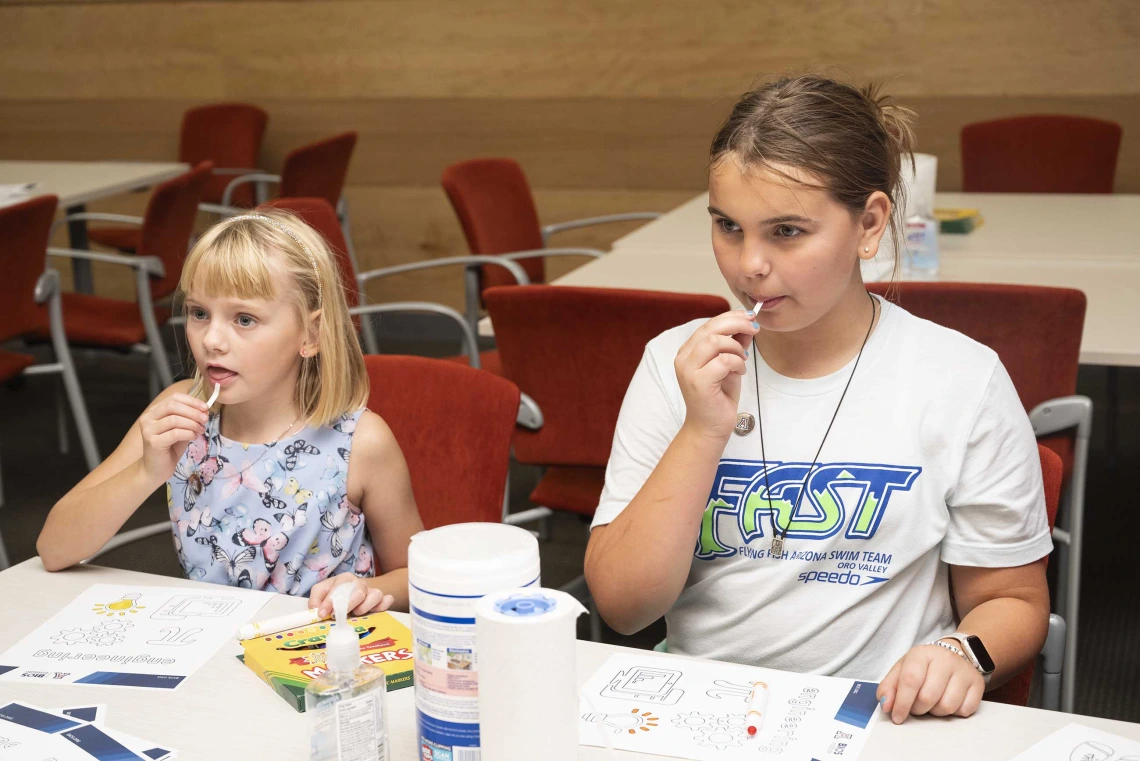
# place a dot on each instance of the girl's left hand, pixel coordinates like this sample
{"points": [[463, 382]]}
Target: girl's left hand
{"points": [[931, 679], [364, 599]]}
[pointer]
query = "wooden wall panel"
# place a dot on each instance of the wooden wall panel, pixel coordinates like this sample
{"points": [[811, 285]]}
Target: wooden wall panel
{"points": [[609, 106]]}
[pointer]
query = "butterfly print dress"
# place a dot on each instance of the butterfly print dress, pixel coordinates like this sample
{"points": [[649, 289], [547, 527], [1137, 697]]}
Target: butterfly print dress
{"points": [[269, 517]]}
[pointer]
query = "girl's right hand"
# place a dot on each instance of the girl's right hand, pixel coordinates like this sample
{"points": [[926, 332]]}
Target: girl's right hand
{"points": [[709, 367], [168, 426]]}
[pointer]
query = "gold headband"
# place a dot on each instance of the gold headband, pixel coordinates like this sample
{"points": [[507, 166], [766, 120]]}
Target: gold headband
{"points": [[298, 241]]}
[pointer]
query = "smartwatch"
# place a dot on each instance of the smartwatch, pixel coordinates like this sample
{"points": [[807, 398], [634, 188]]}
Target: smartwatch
{"points": [[976, 653]]}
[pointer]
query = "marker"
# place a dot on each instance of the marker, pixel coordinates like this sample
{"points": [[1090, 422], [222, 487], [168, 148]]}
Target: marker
{"points": [[757, 705], [214, 397], [280, 624]]}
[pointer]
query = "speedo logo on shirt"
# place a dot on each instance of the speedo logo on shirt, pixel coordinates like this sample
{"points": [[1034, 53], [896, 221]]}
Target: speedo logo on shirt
{"points": [[847, 497]]}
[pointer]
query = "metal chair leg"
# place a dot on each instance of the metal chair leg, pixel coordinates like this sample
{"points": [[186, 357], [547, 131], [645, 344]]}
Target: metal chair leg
{"points": [[153, 334], [1052, 664], [71, 383], [61, 418]]}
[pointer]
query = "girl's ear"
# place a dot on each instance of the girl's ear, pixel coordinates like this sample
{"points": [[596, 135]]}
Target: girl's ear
{"points": [[312, 345], [873, 224]]}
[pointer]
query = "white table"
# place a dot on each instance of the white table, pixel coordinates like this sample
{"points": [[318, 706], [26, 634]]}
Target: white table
{"points": [[1091, 243], [78, 182], [224, 707]]}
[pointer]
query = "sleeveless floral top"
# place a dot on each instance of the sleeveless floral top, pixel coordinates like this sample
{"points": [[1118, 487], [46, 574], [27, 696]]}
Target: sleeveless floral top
{"points": [[269, 516]]}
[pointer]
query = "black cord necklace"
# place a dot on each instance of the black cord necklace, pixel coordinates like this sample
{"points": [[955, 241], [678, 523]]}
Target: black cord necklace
{"points": [[778, 536]]}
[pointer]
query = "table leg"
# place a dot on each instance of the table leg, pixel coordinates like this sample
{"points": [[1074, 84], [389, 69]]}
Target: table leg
{"points": [[80, 268]]}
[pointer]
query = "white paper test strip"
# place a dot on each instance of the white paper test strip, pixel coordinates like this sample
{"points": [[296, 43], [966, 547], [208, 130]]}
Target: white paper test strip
{"points": [[214, 396]]}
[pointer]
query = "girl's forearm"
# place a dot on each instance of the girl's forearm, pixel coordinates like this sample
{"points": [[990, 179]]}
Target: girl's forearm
{"points": [[394, 583], [83, 520], [636, 567], [1013, 631]]}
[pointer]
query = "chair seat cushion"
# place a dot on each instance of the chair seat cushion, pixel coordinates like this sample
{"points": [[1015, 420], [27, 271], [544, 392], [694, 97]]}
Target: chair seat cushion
{"points": [[122, 238], [98, 321], [13, 363], [576, 489], [489, 360]]}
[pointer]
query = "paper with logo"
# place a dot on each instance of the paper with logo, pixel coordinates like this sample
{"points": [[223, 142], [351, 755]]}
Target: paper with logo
{"points": [[30, 733], [685, 708], [131, 636], [1076, 742]]}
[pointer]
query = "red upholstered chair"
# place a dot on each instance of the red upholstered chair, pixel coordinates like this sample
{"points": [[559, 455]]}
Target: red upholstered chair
{"points": [[318, 214], [1040, 154], [574, 351], [1016, 691], [1036, 331], [454, 426], [495, 206], [30, 306], [96, 321], [228, 135]]}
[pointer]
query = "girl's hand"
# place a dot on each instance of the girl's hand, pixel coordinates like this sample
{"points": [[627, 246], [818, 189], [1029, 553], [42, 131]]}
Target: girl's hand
{"points": [[931, 679], [709, 367], [364, 599], [168, 426]]}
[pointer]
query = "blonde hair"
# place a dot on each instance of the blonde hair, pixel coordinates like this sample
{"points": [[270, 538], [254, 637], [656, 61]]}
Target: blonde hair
{"points": [[853, 140], [234, 259]]}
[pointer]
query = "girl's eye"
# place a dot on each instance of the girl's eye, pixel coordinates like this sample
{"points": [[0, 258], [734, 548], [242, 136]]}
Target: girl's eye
{"points": [[197, 314], [246, 321], [726, 225], [787, 231]]}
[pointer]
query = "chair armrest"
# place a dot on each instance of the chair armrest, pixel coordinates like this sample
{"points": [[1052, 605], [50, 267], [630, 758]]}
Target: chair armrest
{"points": [[593, 253], [244, 179], [239, 171], [502, 261], [469, 340], [1061, 414], [94, 216], [222, 211], [47, 286], [150, 264], [576, 224]]}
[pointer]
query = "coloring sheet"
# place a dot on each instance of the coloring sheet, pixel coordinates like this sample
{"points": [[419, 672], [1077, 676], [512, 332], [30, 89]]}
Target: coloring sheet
{"points": [[692, 709], [30, 733], [1076, 742], [131, 636]]}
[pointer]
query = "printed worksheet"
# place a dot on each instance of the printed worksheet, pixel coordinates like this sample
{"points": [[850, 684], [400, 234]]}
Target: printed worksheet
{"points": [[131, 636], [1076, 742], [692, 709]]}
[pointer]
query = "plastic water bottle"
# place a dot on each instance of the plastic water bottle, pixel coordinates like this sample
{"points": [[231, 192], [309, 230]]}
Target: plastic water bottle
{"points": [[921, 247]]}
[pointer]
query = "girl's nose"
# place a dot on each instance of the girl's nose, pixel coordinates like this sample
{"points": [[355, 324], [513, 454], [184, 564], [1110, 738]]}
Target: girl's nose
{"points": [[754, 258]]}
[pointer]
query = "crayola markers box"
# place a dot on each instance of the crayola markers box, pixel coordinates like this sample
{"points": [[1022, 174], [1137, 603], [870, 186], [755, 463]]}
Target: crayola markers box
{"points": [[288, 661]]}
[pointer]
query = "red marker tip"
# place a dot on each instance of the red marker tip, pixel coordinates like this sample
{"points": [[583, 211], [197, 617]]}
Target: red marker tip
{"points": [[751, 731]]}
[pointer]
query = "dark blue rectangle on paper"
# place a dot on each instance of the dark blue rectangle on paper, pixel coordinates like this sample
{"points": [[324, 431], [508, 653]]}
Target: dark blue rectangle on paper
{"points": [[83, 714], [99, 745], [30, 717], [6, 669], [121, 679], [859, 705]]}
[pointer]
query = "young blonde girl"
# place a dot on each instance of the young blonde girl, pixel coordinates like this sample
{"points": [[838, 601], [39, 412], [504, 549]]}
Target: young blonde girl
{"points": [[795, 485], [287, 483]]}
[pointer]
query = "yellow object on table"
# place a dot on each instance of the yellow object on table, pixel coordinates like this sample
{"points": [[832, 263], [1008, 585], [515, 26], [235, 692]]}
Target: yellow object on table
{"points": [[958, 221], [288, 661]]}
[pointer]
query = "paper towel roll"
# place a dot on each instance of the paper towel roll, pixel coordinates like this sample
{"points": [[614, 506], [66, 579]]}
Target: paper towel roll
{"points": [[528, 679]]}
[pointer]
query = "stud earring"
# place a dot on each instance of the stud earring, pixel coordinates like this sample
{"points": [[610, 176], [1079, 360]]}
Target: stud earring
{"points": [[304, 353], [866, 249]]}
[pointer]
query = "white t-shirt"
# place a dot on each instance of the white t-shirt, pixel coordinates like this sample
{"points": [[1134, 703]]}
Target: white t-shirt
{"points": [[931, 461]]}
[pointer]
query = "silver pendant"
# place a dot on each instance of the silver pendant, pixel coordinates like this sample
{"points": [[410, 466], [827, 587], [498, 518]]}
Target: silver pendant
{"points": [[744, 424], [777, 546]]}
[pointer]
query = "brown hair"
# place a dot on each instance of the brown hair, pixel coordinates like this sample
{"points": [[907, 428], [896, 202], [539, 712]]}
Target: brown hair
{"points": [[235, 257], [853, 141]]}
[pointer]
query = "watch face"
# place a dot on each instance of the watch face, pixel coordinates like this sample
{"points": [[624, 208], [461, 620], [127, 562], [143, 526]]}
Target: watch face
{"points": [[980, 653]]}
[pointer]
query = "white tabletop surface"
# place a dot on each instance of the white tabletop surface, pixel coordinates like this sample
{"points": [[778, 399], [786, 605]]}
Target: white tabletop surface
{"points": [[77, 182], [1087, 242], [225, 712]]}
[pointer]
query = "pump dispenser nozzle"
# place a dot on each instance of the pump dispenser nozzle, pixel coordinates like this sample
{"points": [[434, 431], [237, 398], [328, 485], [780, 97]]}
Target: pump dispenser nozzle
{"points": [[342, 646]]}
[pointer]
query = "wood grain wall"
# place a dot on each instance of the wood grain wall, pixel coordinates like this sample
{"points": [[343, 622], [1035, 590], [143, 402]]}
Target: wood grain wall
{"points": [[609, 105]]}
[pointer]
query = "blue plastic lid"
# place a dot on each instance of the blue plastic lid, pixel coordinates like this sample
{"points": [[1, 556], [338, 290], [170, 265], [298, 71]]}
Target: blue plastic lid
{"points": [[525, 606]]}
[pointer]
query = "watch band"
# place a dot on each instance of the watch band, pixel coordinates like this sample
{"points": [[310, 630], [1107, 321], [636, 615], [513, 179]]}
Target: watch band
{"points": [[966, 653]]}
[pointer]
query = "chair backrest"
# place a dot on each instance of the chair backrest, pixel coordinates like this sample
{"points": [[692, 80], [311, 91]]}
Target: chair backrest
{"points": [[228, 134], [1016, 690], [169, 222], [24, 231], [1036, 332], [1040, 154], [318, 170], [319, 215], [454, 425], [574, 351], [494, 204]]}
